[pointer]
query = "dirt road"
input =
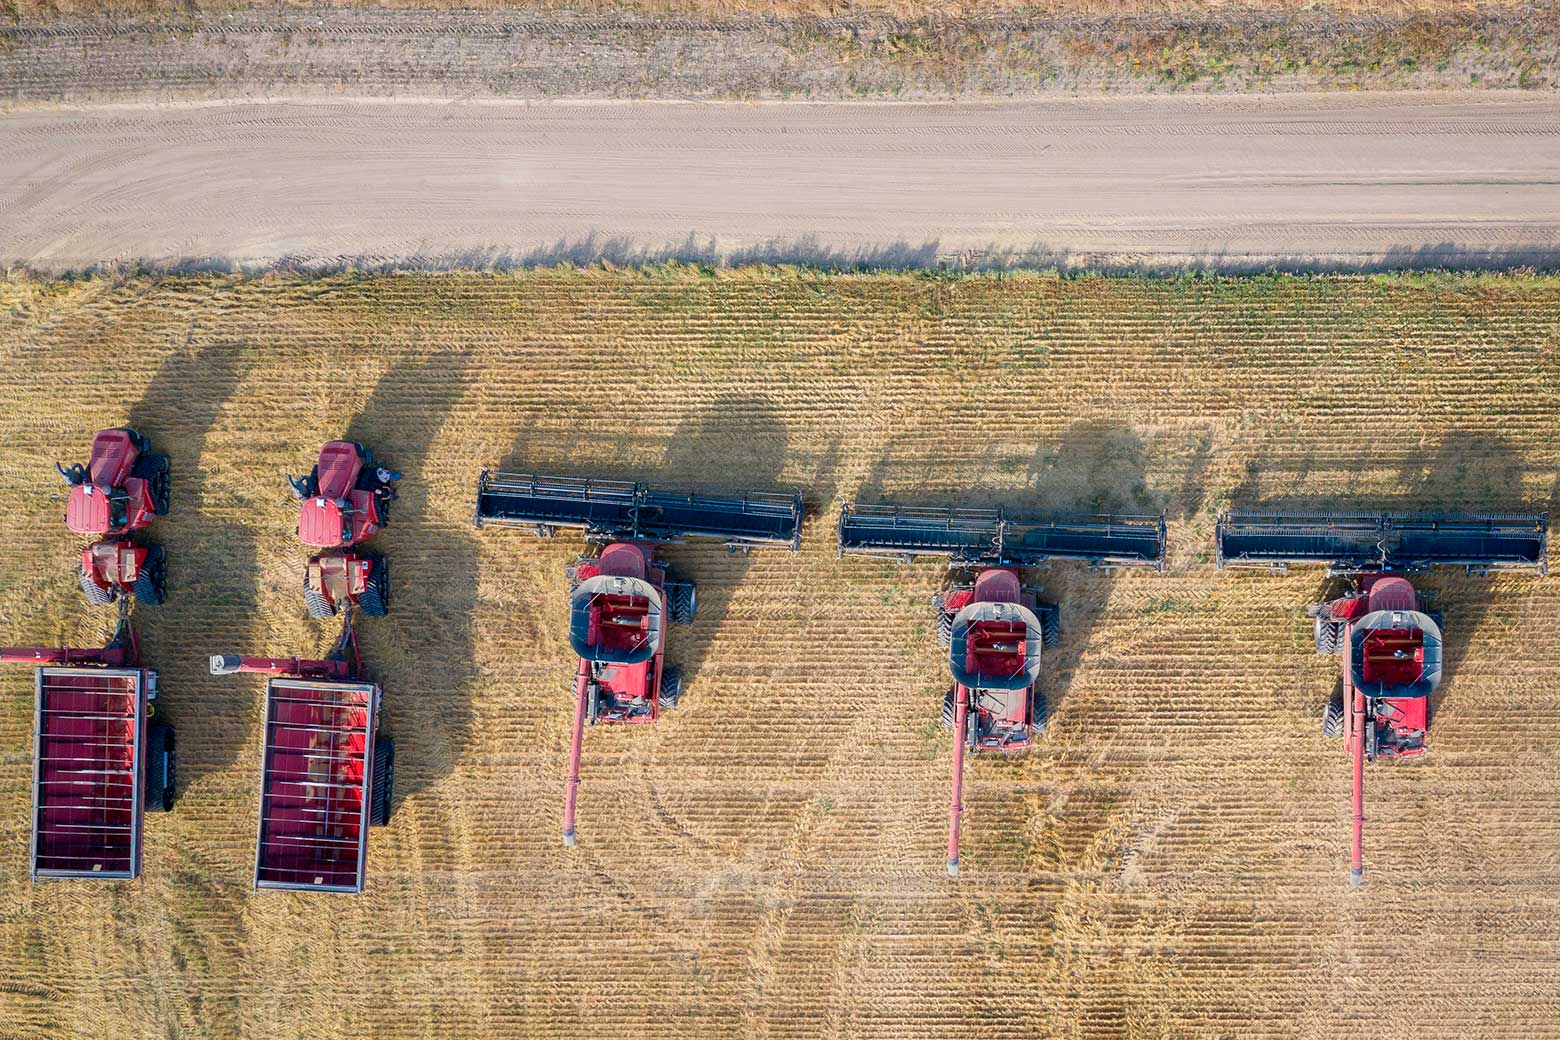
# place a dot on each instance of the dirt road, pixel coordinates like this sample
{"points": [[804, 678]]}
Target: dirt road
{"points": [[1323, 181]]}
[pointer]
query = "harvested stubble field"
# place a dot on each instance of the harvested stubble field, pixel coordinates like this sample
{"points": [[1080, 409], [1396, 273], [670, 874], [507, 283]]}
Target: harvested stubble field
{"points": [[768, 860]]}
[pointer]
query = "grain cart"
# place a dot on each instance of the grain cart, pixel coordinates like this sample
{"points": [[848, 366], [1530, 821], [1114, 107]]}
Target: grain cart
{"points": [[1390, 647], [995, 627], [327, 772], [100, 758], [343, 501], [620, 595], [122, 488]]}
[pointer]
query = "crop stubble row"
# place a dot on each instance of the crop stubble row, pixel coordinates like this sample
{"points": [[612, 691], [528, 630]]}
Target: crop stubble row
{"points": [[767, 859]]}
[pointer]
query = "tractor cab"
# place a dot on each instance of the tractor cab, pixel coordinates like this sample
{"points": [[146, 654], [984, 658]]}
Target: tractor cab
{"points": [[342, 503], [994, 655], [616, 626], [120, 489]]}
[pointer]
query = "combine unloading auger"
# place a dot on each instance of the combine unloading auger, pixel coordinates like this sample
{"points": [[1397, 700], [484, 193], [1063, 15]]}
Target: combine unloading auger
{"points": [[1390, 647], [621, 596], [995, 628]]}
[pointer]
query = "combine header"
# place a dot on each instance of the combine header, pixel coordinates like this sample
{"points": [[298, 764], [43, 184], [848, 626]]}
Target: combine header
{"points": [[99, 761], [342, 502], [620, 595], [327, 773], [1389, 646], [994, 626], [122, 488]]}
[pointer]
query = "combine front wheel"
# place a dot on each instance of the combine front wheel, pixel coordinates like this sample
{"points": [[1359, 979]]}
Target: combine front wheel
{"points": [[1329, 636], [944, 629], [685, 602], [1050, 628]]}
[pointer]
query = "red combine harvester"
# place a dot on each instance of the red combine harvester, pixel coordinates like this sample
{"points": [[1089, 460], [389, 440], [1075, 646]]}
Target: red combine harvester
{"points": [[994, 626], [1390, 647], [99, 761], [343, 501], [621, 597], [327, 774], [122, 488]]}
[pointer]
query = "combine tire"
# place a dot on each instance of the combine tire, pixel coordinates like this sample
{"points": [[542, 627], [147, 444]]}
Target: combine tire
{"points": [[947, 711], [944, 629], [1329, 636], [384, 782], [158, 777], [671, 688], [96, 594], [374, 600], [1332, 716], [1051, 628], [1039, 711], [684, 602], [151, 584]]}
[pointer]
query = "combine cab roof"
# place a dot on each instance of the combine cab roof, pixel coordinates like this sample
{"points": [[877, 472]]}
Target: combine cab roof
{"points": [[314, 808], [86, 780], [613, 510], [989, 537], [1384, 541]]}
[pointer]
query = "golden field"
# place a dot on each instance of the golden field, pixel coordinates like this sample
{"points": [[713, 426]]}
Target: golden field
{"points": [[767, 861]]}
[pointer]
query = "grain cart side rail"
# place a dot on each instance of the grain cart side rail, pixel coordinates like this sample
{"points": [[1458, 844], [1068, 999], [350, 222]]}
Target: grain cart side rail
{"points": [[989, 537], [614, 510], [1356, 542]]}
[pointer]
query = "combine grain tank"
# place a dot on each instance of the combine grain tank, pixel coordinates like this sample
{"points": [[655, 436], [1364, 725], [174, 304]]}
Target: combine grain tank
{"points": [[995, 627], [1389, 645]]}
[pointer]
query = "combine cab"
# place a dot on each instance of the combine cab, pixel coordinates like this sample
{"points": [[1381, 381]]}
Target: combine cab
{"points": [[621, 597], [994, 626], [1389, 645], [343, 502], [327, 772], [121, 489], [101, 759]]}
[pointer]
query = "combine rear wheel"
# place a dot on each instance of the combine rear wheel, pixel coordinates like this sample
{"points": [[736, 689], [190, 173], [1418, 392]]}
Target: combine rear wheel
{"points": [[948, 710], [671, 688], [158, 777], [1039, 711], [384, 780], [151, 582], [374, 600], [96, 594], [1332, 716]]}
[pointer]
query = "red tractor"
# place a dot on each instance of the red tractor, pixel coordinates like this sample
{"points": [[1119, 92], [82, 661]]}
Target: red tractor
{"points": [[122, 488], [101, 758], [621, 597], [343, 501], [1389, 645], [994, 626], [327, 773]]}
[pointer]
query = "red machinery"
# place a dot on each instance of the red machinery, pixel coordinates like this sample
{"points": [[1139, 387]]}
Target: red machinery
{"points": [[343, 501], [621, 598], [994, 626], [1390, 647], [327, 773], [122, 488], [100, 758]]}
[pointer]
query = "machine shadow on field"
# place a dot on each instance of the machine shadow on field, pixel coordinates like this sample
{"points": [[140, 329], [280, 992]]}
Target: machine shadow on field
{"points": [[424, 650], [1095, 467], [1468, 472], [213, 586]]}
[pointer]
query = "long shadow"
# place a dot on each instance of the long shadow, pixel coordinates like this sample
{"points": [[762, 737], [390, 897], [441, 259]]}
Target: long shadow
{"points": [[424, 650], [736, 442], [212, 584], [1095, 467], [1468, 472]]}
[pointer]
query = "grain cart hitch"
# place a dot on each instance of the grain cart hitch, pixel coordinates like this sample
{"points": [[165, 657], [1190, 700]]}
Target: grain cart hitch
{"points": [[1390, 646], [621, 595], [995, 627]]}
